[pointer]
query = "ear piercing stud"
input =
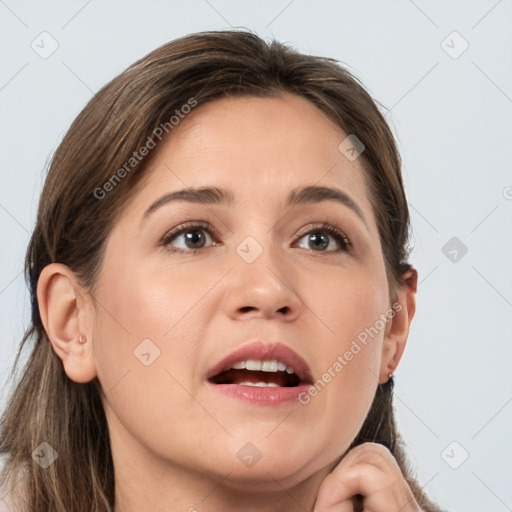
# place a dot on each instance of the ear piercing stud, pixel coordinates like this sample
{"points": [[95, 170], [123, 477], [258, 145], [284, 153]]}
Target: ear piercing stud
{"points": [[81, 338]]}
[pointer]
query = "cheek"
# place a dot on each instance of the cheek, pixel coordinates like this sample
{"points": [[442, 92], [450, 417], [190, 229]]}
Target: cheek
{"points": [[145, 347], [353, 308], [344, 391], [350, 303], [148, 320], [141, 301]]}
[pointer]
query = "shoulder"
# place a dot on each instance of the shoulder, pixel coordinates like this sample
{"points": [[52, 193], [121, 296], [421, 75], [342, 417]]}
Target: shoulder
{"points": [[11, 499], [11, 491]]}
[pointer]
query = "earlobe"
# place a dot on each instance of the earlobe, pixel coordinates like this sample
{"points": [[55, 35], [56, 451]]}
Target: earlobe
{"points": [[397, 330], [62, 309]]}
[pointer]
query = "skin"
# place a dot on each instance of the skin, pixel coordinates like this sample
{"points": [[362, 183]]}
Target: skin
{"points": [[174, 441]]}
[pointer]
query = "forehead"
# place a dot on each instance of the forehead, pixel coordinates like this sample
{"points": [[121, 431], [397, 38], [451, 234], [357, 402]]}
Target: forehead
{"points": [[261, 148]]}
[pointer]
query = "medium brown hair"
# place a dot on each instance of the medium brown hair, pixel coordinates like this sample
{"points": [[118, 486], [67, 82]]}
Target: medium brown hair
{"points": [[73, 225]]}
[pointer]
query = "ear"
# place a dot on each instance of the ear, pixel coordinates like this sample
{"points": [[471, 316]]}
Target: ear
{"points": [[63, 308], [397, 329]]}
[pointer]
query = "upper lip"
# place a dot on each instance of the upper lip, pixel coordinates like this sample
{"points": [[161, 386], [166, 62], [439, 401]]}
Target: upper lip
{"points": [[264, 351]]}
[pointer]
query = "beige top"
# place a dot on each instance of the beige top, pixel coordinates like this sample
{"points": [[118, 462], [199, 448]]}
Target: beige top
{"points": [[9, 501], [6, 504], [10, 495]]}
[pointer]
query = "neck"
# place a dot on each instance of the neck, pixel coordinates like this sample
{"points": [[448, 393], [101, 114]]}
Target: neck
{"points": [[180, 492], [145, 482]]}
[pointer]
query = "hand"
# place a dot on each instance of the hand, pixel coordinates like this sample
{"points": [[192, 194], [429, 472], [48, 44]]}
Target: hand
{"points": [[367, 476]]}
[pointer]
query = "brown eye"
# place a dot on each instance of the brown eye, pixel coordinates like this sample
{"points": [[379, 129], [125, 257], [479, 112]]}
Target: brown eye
{"points": [[189, 238]]}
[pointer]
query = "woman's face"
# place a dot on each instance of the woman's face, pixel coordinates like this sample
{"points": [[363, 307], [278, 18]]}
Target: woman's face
{"points": [[257, 274]]}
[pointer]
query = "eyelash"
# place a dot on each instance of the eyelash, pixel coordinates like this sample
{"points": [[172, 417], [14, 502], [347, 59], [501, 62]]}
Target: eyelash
{"points": [[342, 239]]}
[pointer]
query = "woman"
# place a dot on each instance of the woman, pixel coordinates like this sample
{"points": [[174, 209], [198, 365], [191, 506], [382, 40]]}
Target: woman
{"points": [[220, 294]]}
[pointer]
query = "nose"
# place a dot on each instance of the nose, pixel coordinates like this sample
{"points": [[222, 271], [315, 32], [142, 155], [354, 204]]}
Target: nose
{"points": [[261, 289]]}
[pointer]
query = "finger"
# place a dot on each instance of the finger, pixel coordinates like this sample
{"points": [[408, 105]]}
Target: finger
{"points": [[354, 504], [347, 482], [346, 479], [372, 471]]}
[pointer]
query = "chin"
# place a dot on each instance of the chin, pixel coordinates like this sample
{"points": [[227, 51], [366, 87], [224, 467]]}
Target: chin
{"points": [[270, 465]]}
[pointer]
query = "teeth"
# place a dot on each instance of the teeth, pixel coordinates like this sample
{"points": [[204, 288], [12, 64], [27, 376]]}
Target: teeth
{"points": [[271, 365], [253, 365], [259, 384]]}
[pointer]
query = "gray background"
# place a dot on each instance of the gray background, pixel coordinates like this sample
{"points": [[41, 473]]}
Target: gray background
{"points": [[451, 113]]}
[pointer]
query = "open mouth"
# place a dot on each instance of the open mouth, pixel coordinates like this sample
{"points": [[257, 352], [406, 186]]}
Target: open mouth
{"points": [[264, 373], [268, 373]]}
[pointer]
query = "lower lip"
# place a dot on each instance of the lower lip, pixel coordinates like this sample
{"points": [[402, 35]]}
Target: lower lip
{"points": [[259, 395]]}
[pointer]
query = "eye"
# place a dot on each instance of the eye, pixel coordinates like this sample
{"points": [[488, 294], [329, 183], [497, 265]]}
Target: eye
{"points": [[195, 235], [323, 237], [188, 237]]}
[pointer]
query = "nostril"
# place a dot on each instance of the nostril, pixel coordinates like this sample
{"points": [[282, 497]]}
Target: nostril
{"points": [[246, 309]]}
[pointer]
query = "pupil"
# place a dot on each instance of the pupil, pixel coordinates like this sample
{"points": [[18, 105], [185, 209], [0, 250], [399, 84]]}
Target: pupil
{"points": [[193, 237], [322, 239]]}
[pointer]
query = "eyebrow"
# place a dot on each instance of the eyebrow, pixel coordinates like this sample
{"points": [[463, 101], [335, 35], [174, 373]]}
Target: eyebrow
{"points": [[217, 195]]}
